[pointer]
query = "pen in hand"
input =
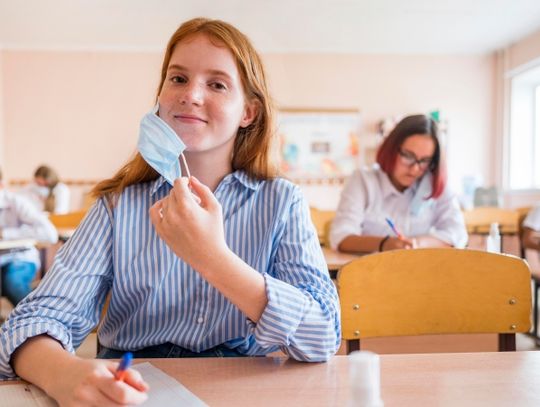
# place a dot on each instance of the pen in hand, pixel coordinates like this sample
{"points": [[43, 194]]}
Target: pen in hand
{"points": [[393, 227], [124, 365]]}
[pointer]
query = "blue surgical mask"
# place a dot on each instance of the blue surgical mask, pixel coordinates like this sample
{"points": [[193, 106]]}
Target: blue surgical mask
{"points": [[160, 146]]}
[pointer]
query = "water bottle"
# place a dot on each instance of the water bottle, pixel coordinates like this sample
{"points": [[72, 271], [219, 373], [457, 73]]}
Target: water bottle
{"points": [[493, 241]]}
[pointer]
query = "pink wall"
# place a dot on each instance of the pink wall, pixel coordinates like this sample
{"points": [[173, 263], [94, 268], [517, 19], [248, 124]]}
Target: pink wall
{"points": [[524, 51], [77, 111], [80, 111], [461, 87]]}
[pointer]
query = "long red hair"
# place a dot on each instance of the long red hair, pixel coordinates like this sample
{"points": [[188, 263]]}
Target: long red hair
{"points": [[253, 147]]}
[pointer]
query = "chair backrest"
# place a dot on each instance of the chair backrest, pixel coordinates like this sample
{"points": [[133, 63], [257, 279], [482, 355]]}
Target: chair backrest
{"points": [[322, 219], [434, 291], [478, 220], [68, 220], [486, 197]]}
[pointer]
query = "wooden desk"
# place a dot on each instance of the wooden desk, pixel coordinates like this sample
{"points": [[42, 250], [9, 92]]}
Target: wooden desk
{"points": [[473, 379], [335, 259], [487, 379]]}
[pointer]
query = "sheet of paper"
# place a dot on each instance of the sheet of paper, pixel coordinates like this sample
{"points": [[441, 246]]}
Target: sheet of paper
{"points": [[165, 390], [24, 395]]}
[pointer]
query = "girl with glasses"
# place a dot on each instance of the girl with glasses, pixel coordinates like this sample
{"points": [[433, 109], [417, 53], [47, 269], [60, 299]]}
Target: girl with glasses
{"points": [[402, 202]]}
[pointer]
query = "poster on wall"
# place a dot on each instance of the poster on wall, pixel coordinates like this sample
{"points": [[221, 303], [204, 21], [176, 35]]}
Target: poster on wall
{"points": [[318, 144]]}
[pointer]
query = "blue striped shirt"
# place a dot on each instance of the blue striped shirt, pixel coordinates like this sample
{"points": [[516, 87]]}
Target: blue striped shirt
{"points": [[156, 297]]}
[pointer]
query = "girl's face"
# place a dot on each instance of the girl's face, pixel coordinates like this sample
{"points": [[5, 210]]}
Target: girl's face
{"points": [[202, 97], [413, 160], [42, 182]]}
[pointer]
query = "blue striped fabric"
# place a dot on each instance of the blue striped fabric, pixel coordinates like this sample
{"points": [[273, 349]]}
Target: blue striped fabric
{"points": [[157, 298]]}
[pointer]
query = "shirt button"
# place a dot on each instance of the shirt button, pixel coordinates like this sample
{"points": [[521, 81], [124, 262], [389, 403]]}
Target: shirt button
{"points": [[200, 320]]}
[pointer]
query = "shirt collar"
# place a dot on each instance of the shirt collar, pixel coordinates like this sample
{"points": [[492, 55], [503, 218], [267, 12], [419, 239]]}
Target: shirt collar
{"points": [[388, 189], [239, 175]]}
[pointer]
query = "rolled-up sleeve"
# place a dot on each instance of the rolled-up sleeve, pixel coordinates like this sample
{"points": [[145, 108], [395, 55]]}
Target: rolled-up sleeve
{"points": [[302, 316], [449, 224], [351, 210], [67, 303]]}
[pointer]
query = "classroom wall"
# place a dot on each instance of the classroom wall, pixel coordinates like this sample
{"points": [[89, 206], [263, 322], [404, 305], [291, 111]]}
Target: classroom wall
{"points": [[524, 52], [1, 111], [461, 87], [80, 111]]}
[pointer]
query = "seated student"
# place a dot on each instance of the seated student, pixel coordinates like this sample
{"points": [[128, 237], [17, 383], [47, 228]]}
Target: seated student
{"points": [[408, 189], [47, 192], [19, 219], [222, 263], [531, 229]]}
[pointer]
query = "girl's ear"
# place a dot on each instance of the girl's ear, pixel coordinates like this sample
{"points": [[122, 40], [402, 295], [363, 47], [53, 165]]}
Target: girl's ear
{"points": [[251, 110]]}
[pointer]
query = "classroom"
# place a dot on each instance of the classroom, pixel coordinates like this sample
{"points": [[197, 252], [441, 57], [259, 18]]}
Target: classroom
{"points": [[442, 324]]}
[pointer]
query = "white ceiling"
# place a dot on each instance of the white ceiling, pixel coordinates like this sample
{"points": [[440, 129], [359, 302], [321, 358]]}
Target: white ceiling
{"points": [[351, 26]]}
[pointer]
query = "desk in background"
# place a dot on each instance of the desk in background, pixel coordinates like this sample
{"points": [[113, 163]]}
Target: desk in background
{"points": [[335, 259]]}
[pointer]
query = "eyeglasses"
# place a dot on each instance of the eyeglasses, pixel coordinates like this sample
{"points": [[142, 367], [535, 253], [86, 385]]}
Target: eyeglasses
{"points": [[409, 159]]}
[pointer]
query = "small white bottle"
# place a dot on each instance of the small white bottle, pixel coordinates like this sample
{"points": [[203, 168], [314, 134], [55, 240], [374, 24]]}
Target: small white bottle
{"points": [[493, 241], [364, 379]]}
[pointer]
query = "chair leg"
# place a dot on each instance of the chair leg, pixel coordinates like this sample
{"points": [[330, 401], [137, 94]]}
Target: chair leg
{"points": [[352, 345], [507, 342], [535, 310]]}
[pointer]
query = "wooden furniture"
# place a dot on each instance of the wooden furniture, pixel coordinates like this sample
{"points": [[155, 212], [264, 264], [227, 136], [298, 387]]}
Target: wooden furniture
{"points": [[322, 220], [335, 260], [434, 291], [474, 379], [490, 379], [66, 223], [478, 221]]}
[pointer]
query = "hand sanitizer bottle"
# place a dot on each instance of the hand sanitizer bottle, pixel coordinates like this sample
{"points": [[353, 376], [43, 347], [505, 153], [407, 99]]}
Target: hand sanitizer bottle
{"points": [[493, 241]]}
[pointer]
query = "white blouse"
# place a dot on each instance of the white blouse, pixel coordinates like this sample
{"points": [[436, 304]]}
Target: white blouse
{"points": [[369, 197], [37, 195], [532, 220]]}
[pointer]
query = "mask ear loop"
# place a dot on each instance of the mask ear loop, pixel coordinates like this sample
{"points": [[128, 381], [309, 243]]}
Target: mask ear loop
{"points": [[185, 165], [197, 199]]}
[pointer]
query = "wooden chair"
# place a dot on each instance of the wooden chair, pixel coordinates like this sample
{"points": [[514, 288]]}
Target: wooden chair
{"points": [[322, 220], [434, 291], [67, 223]]}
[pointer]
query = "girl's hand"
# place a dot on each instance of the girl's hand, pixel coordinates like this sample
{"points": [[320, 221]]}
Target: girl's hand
{"points": [[193, 230], [394, 243], [91, 382]]}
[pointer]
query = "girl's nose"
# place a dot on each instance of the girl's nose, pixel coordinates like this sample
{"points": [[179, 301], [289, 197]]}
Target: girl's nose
{"points": [[192, 94]]}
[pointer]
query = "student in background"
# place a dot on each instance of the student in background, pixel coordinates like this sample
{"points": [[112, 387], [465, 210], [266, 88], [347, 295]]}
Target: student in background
{"points": [[47, 192], [19, 219], [531, 229], [222, 263], [408, 189]]}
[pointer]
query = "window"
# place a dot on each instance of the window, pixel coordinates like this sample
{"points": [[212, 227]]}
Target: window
{"points": [[524, 146]]}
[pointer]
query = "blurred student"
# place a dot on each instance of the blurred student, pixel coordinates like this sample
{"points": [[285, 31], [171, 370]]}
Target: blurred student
{"points": [[406, 190], [47, 192], [222, 263], [19, 219], [531, 229]]}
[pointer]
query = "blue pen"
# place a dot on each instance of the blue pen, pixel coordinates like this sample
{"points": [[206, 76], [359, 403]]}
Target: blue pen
{"points": [[393, 227], [124, 365]]}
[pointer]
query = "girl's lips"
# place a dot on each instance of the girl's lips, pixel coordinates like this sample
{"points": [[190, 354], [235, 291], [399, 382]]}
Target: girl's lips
{"points": [[189, 118]]}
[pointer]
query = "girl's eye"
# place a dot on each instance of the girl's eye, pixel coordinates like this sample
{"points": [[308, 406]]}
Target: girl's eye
{"points": [[218, 86], [178, 79]]}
